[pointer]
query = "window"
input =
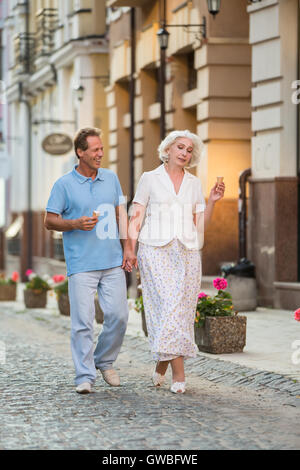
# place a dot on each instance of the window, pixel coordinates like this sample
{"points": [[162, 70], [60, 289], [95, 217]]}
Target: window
{"points": [[192, 73]]}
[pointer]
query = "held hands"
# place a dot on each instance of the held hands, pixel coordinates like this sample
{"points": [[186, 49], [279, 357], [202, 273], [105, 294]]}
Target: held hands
{"points": [[129, 260], [217, 192]]}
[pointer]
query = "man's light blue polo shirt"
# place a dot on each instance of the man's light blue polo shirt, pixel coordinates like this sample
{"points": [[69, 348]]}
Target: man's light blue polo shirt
{"points": [[73, 196]]}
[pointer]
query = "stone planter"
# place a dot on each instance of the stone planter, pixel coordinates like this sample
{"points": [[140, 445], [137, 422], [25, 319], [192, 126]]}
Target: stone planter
{"points": [[222, 335], [35, 299], [64, 307], [8, 292], [63, 304]]}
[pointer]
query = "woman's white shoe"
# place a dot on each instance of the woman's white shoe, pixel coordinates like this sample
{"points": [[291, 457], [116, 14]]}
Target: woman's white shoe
{"points": [[178, 387], [158, 379]]}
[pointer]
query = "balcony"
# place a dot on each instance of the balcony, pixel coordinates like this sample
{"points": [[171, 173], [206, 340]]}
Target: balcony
{"points": [[24, 51], [46, 25], [127, 3], [120, 61]]}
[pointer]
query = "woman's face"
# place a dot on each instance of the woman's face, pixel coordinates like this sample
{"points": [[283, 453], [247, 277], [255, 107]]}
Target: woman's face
{"points": [[180, 152]]}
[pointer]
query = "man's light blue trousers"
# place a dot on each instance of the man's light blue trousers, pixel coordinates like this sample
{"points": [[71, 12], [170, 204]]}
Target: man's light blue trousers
{"points": [[112, 293]]}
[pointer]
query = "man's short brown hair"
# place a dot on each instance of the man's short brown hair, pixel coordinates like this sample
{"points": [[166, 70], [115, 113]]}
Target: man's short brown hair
{"points": [[80, 139]]}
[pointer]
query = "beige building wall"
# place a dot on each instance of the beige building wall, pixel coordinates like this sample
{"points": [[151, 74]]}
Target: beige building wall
{"points": [[73, 53], [274, 31], [207, 91]]}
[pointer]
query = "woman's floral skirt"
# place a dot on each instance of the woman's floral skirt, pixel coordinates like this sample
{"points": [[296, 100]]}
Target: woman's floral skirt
{"points": [[171, 281]]}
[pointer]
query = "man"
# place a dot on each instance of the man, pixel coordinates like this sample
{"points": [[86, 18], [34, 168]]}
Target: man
{"points": [[94, 258]]}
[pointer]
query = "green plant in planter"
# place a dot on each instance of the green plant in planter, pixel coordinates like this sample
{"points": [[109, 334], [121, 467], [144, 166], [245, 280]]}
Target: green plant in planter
{"points": [[35, 292], [8, 287], [61, 288], [37, 283], [219, 305], [11, 281]]}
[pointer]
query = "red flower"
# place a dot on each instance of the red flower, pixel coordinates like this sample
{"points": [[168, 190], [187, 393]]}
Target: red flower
{"points": [[15, 276], [201, 295], [220, 283], [297, 315], [58, 278]]}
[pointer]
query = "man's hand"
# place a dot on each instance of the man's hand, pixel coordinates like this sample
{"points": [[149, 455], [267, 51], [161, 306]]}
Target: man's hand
{"points": [[129, 260], [56, 222], [86, 223]]}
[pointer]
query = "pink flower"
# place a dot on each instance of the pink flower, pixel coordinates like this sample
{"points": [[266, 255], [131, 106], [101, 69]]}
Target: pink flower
{"points": [[28, 272], [220, 283], [201, 295], [15, 276], [297, 315], [58, 278]]}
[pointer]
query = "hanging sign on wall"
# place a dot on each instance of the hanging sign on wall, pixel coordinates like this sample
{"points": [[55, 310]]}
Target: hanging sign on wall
{"points": [[57, 144]]}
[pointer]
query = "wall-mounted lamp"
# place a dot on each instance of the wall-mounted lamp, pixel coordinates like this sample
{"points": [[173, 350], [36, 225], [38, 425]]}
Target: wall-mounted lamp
{"points": [[213, 6], [79, 91], [163, 38]]}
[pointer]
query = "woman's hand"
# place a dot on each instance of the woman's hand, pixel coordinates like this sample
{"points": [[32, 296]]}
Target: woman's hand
{"points": [[217, 192], [129, 260]]}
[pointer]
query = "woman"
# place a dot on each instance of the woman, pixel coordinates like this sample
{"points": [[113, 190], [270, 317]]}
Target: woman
{"points": [[170, 205]]}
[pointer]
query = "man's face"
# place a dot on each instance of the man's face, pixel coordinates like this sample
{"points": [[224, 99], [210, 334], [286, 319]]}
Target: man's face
{"points": [[94, 153]]}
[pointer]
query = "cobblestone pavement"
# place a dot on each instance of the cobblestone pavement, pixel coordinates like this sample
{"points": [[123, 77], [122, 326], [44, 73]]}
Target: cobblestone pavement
{"points": [[225, 406]]}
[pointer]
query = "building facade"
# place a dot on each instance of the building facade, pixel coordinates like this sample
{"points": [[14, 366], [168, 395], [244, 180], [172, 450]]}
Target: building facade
{"points": [[74, 63], [274, 213], [57, 56], [208, 91]]}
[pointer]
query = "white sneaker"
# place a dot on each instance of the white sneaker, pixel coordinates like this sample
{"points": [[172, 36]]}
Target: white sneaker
{"points": [[85, 387], [111, 377]]}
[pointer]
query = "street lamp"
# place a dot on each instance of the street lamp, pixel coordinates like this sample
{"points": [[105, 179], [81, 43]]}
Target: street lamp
{"points": [[163, 38], [213, 6]]}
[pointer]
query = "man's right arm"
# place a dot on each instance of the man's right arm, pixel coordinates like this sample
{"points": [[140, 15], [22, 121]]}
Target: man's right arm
{"points": [[56, 222]]}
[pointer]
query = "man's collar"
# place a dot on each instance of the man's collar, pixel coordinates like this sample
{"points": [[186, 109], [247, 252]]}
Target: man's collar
{"points": [[83, 179]]}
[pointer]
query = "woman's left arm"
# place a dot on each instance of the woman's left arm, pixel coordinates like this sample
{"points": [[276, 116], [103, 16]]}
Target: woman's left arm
{"points": [[216, 193]]}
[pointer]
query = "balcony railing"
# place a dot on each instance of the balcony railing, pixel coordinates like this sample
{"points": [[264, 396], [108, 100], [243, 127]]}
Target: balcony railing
{"points": [[24, 51], [30, 46], [46, 25]]}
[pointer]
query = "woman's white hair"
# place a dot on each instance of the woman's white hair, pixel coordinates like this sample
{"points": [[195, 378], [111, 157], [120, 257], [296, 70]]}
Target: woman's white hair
{"points": [[198, 146]]}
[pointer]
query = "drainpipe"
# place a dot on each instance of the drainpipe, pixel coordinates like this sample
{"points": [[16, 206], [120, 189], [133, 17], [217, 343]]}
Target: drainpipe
{"points": [[27, 260], [129, 278], [298, 144], [131, 104], [162, 78], [243, 213]]}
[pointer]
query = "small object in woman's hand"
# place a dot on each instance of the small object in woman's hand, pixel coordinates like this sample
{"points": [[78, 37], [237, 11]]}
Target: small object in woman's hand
{"points": [[219, 181]]}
